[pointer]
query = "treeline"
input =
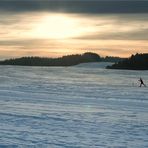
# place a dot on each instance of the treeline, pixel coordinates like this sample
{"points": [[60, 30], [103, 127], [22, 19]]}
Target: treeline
{"points": [[135, 62], [62, 61], [68, 60], [112, 59]]}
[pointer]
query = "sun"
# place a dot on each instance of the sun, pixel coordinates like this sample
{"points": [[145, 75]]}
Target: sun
{"points": [[57, 27]]}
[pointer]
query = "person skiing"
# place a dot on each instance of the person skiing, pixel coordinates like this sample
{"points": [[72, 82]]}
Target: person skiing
{"points": [[141, 82]]}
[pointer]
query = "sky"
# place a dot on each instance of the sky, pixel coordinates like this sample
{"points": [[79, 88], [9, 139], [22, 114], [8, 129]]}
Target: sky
{"points": [[53, 28]]}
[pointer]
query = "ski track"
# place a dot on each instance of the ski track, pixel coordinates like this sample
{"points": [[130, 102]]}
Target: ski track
{"points": [[84, 106]]}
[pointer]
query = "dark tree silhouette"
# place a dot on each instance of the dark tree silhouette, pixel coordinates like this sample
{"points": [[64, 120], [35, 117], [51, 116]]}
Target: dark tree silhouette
{"points": [[112, 59], [135, 62], [63, 61]]}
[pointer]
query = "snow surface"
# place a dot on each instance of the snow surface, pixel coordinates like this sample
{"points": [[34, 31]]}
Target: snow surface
{"points": [[84, 106]]}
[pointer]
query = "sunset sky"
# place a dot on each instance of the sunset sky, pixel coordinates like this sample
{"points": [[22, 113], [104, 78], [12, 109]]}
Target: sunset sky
{"points": [[54, 28]]}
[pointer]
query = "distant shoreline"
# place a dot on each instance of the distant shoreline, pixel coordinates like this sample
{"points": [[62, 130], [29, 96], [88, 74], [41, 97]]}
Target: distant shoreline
{"points": [[135, 62], [69, 60]]}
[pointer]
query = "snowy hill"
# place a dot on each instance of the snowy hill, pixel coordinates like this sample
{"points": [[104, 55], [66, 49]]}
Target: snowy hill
{"points": [[94, 65], [83, 106]]}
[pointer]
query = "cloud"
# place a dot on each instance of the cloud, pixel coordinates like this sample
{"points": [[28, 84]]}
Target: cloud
{"points": [[30, 44], [32, 47], [106, 34], [75, 6], [130, 35], [118, 27]]}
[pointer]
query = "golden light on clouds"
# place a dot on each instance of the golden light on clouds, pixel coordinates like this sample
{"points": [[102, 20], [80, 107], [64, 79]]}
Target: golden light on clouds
{"points": [[59, 26], [57, 34], [54, 27]]}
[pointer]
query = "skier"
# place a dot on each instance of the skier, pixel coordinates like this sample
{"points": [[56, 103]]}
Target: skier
{"points": [[141, 82]]}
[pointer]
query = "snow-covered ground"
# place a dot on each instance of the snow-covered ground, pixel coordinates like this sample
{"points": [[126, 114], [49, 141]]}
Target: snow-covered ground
{"points": [[84, 106]]}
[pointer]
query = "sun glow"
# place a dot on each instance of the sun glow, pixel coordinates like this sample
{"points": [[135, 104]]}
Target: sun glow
{"points": [[58, 27], [57, 34]]}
